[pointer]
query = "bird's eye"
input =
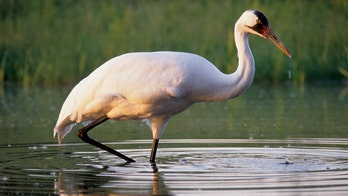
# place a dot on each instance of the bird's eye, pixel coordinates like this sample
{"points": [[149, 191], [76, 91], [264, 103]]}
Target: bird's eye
{"points": [[258, 21]]}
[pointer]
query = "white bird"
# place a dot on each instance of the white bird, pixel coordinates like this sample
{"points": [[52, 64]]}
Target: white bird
{"points": [[154, 86]]}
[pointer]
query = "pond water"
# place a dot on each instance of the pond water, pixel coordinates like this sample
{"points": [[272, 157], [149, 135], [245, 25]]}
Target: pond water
{"points": [[272, 140]]}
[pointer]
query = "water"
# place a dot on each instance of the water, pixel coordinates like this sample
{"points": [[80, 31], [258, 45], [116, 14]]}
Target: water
{"points": [[273, 140]]}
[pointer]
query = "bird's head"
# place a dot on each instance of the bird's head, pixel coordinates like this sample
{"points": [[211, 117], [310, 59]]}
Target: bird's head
{"points": [[253, 21]]}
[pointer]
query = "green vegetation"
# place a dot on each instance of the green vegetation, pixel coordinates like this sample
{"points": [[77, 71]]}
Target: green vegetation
{"points": [[54, 42]]}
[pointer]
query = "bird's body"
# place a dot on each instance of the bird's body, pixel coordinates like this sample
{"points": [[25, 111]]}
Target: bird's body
{"points": [[154, 86], [159, 85]]}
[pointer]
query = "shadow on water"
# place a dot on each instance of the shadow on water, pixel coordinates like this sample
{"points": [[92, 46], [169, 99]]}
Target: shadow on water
{"points": [[272, 140]]}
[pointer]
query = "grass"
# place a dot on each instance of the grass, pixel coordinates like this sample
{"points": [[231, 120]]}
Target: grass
{"points": [[54, 42]]}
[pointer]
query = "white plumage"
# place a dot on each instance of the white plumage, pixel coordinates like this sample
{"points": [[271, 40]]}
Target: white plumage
{"points": [[157, 85]]}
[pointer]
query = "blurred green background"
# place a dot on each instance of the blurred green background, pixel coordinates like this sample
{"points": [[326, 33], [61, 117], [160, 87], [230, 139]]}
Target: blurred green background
{"points": [[55, 42]]}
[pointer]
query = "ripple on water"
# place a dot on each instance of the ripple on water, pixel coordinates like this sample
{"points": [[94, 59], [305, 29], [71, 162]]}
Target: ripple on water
{"points": [[79, 168]]}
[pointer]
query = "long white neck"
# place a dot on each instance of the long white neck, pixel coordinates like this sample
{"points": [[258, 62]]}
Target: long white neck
{"points": [[242, 78], [234, 84]]}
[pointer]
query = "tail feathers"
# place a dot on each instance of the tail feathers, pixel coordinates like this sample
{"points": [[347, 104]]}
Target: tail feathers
{"points": [[62, 131]]}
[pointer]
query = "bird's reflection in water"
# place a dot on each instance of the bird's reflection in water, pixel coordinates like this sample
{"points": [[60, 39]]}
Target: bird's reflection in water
{"points": [[158, 183], [105, 182]]}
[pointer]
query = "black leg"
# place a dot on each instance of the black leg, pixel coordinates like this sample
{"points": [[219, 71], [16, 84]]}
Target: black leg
{"points": [[82, 133], [153, 151]]}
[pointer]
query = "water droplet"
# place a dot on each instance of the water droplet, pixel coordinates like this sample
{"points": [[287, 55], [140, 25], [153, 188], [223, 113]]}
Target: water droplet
{"points": [[289, 71], [5, 178], [33, 148]]}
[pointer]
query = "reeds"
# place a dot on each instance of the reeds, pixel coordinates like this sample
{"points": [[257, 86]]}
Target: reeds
{"points": [[60, 41]]}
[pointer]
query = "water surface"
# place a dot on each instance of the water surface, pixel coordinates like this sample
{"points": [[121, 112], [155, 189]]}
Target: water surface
{"points": [[280, 140]]}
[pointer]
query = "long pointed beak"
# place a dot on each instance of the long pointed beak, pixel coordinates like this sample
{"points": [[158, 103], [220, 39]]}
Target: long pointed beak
{"points": [[276, 41]]}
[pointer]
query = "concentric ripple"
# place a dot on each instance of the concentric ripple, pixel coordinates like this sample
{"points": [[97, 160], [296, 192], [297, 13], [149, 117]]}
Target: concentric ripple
{"points": [[204, 167]]}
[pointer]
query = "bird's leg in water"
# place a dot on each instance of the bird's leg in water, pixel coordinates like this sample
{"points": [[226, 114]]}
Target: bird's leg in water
{"points": [[153, 151], [82, 133]]}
